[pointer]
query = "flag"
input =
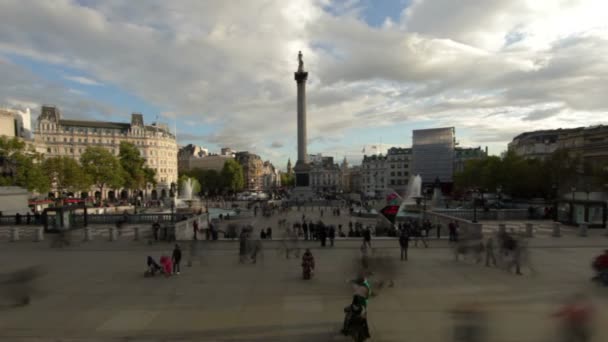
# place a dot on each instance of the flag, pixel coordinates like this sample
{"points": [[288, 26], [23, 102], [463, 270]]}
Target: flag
{"points": [[363, 150]]}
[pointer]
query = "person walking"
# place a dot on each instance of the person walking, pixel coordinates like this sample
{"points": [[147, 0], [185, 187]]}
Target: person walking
{"points": [[332, 235], [490, 252], [322, 234], [367, 237], [404, 241], [305, 228], [195, 229], [576, 316], [452, 231], [177, 258], [155, 229]]}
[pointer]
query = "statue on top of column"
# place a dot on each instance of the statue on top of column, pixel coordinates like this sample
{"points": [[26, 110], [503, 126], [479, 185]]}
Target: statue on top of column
{"points": [[300, 62]]}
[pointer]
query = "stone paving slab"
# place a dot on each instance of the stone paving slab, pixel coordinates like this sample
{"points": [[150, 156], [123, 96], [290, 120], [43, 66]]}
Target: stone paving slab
{"points": [[101, 295]]}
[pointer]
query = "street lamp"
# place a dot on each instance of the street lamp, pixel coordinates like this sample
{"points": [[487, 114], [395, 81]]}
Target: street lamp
{"points": [[573, 189], [499, 195], [474, 196], [555, 199]]}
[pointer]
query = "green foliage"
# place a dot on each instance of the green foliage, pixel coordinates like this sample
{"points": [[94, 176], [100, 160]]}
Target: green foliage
{"points": [[65, 174], [288, 179], [196, 185], [521, 177], [132, 163], [149, 175], [23, 166], [232, 176], [210, 181], [102, 167]]}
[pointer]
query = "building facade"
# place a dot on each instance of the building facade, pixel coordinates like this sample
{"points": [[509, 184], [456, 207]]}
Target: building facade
{"points": [[325, 175], [56, 136], [537, 144], [373, 175], [192, 157], [591, 143], [16, 123], [433, 154], [253, 170], [464, 154], [271, 177], [398, 162]]}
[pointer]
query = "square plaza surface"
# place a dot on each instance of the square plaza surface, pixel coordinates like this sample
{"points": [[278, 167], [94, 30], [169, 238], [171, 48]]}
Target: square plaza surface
{"points": [[96, 292]]}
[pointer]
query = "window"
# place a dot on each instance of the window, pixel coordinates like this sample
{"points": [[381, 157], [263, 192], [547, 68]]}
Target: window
{"points": [[71, 150], [392, 182], [79, 140], [65, 139], [399, 173], [48, 150], [79, 150], [392, 174]]}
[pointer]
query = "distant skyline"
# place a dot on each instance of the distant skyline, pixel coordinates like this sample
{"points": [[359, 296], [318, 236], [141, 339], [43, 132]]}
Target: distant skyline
{"points": [[222, 71]]}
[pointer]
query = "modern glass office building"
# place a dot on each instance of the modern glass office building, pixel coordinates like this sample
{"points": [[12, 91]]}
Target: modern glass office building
{"points": [[433, 154]]}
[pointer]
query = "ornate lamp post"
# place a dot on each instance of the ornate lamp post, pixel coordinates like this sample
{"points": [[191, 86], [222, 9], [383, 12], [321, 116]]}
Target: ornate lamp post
{"points": [[573, 189], [555, 199], [474, 196]]}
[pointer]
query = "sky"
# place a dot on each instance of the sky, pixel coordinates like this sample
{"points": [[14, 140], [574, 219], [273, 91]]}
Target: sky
{"points": [[221, 72]]}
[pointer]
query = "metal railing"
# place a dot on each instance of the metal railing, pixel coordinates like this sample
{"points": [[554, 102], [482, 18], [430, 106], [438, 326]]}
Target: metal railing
{"points": [[13, 220], [490, 215]]}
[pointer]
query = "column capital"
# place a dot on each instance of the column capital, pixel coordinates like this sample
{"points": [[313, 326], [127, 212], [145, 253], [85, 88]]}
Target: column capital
{"points": [[300, 76]]}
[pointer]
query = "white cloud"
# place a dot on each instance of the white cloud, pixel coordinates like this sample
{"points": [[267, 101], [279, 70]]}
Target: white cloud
{"points": [[82, 80], [232, 63]]}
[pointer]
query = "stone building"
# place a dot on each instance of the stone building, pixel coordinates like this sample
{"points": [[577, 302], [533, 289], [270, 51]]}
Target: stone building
{"points": [[398, 163], [464, 154], [15, 123], [373, 175], [325, 175], [253, 170], [536, 144], [271, 177], [56, 136], [591, 143], [192, 157]]}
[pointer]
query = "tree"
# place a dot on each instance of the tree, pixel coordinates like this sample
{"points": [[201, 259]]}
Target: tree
{"points": [[102, 167], [133, 165], [196, 185], [65, 174], [287, 179], [149, 176], [21, 166], [232, 176]]}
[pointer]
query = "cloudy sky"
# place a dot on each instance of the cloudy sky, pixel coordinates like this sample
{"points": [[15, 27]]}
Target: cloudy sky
{"points": [[222, 71]]}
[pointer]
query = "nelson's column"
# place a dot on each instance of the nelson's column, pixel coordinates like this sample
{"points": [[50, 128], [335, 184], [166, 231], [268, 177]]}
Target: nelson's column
{"points": [[302, 168]]}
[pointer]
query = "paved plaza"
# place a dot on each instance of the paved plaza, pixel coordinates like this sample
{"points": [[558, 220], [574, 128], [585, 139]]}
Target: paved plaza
{"points": [[96, 292]]}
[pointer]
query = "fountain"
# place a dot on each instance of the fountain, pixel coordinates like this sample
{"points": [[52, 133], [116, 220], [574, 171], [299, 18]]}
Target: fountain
{"points": [[187, 199], [414, 189], [186, 190]]}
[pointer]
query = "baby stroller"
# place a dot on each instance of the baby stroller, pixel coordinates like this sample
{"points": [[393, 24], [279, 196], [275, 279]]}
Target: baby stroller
{"points": [[153, 268]]}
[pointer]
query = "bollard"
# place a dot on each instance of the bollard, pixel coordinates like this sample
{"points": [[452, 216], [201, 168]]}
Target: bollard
{"points": [[136, 233], [529, 230], [502, 228], [39, 234], [87, 234], [582, 229], [556, 229], [14, 234], [113, 234]]}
